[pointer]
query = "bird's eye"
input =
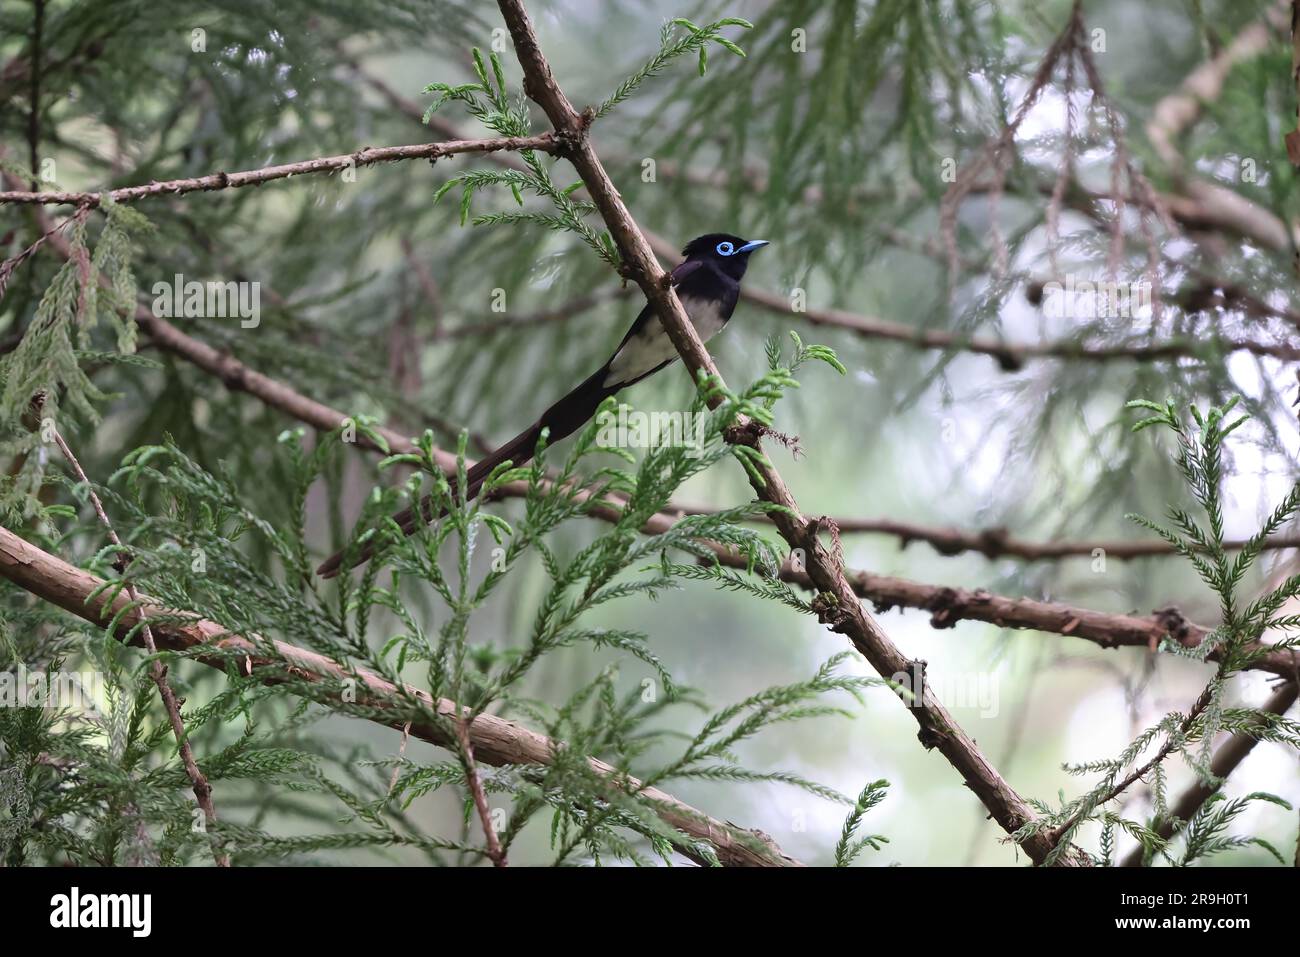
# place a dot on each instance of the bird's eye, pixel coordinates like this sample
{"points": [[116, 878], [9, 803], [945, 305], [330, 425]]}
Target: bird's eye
{"points": [[725, 249]]}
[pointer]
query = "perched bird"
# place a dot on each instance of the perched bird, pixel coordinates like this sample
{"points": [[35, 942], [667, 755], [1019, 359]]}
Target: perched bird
{"points": [[708, 284]]}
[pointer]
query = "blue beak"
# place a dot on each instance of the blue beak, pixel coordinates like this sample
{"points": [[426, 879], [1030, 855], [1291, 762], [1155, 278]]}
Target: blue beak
{"points": [[749, 247]]}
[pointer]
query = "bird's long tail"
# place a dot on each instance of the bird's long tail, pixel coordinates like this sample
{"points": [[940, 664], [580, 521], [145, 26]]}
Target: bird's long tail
{"points": [[563, 418]]}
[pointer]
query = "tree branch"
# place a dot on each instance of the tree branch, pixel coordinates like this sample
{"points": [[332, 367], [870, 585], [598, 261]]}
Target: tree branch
{"points": [[948, 605], [490, 325], [1207, 205], [369, 156], [1180, 109], [1010, 356], [1172, 743], [496, 741], [840, 608], [1292, 139], [34, 114], [999, 542]]}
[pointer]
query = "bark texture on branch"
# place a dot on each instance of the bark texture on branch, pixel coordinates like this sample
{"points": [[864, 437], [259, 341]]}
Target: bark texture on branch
{"points": [[949, 605], [998, 542], [495, 741], [1175, 113]]}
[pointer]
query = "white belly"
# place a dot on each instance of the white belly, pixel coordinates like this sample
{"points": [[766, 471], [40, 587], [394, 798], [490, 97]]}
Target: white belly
{"points": [[651, 347]]}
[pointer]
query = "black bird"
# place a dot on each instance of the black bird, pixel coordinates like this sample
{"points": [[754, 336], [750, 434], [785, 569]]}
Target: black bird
{"points": [[708, 284]]}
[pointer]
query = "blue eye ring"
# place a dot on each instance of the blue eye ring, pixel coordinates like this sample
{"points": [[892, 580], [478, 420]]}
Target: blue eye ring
{"points": [[725, 249]]}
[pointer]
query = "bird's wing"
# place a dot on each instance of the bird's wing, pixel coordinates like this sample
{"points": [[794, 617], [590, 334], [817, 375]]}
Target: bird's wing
{"points": [[681, 272], [647, 348]]}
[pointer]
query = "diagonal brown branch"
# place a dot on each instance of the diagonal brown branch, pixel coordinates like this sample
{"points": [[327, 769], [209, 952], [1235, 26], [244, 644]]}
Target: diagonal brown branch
{"points": [[496, 741], [1204, 204], [1176, 112], [1172, 743], [465, 750], [1230, 754], [840, 608], [1009, 355]]}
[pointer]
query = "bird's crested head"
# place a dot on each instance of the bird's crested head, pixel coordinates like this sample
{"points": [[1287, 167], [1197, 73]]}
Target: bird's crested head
{"points": [[730, 253]]}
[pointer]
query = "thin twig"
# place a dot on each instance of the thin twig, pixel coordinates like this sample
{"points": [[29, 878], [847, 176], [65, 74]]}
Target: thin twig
{"points": [[401, 753], [569, 310], [1171, 744], [1293, 138], [428, 285], [202, 789], [1000, 543], [13, 262], [368, 156], [994, 155], [495, 852], [1230, 754]]}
